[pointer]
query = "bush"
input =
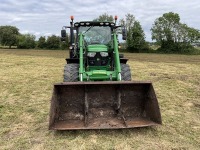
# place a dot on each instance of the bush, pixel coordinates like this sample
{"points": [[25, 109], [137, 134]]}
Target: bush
{"points": [[53, 42], [26, 41], [41, 42], [142, 48], [177, 48]]}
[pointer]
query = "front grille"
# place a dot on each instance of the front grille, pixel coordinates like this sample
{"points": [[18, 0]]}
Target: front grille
{"points": [[97, 60]]}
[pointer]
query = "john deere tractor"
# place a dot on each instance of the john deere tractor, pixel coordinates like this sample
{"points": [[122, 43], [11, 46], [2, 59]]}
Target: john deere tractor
{"points": [[97, 92], [94, 53]]}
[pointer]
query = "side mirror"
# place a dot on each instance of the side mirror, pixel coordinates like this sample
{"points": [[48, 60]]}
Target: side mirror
{"points": [[123, 34], [63, 35]]}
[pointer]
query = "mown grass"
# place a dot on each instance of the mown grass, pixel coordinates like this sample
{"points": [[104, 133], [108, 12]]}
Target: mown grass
{"points": [[27, 78]]}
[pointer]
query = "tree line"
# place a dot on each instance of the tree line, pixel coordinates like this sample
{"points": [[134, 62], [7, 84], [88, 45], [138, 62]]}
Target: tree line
{"points": [[10, 36], [169, 34], [167, 31]]}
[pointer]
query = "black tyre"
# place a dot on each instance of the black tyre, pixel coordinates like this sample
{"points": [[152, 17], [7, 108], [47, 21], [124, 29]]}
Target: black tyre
{"points": [[71, 73], [125, 72]]}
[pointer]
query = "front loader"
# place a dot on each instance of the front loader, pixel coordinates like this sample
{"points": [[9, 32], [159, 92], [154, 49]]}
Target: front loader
{"points": [[97, 92]]}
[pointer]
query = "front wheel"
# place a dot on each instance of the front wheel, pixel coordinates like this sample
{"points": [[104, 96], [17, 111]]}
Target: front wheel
{"points": [[125, 72], [71, 73]]}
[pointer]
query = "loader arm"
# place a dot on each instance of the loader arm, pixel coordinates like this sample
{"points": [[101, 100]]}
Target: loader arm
{"points": [[117, 60], [81, 62]]}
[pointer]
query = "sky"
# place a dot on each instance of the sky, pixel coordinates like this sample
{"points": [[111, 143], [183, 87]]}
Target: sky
{"points": [[46, 17]]}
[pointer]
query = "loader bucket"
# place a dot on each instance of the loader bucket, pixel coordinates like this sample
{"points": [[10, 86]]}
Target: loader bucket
{"points": [[103, 105]]}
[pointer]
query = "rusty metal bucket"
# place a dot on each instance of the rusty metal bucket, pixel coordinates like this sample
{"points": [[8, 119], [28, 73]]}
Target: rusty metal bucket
{"points": [[103, 105]]}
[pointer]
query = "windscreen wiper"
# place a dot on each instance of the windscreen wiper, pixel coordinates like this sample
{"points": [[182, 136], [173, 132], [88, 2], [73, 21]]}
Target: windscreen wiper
{"points": [[88, 29]]}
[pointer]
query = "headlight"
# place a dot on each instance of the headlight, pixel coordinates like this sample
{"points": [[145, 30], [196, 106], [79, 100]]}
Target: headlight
{"points": [[103, 54], [90, 54], [76, 24]]}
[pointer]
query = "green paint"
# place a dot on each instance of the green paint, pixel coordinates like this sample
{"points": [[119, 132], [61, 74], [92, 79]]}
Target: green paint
{"points": [[99, 72]]}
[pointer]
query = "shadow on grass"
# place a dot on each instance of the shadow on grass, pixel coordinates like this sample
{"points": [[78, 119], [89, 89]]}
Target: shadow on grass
{"points": [[105, 132]]}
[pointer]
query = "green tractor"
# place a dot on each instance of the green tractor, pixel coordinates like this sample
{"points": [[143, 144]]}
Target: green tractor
{"points": [[97, 92], [94, 53]]}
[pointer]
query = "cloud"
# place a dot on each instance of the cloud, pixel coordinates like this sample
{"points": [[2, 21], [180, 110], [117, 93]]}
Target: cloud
{"points": [[46, 16], [17, 19], [48, 34], [37, 34]]}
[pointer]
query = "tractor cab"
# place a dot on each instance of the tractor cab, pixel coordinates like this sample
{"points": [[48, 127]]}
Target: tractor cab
{"points": [[97, 41], [95, 32]]}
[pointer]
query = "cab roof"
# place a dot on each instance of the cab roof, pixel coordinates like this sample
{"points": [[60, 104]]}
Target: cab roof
{"points": [[94, 23]]}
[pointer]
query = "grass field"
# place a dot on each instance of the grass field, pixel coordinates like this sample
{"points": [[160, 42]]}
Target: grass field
{"points": [[27, 78]]}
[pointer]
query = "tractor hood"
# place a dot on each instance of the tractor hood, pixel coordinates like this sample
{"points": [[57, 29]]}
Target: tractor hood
{"points": [[97, 48]]}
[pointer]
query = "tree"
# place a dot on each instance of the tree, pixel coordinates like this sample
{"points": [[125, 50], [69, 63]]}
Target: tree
{"points": [[53, 42], [26, 41], [166, 27], [8, 35], [128, 22], [172, 35], [138, 43], [135, 35], [41, 42], [104, 17]]}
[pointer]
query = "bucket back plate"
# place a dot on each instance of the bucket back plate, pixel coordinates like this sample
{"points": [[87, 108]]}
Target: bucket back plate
{"points": [[103, 105]]}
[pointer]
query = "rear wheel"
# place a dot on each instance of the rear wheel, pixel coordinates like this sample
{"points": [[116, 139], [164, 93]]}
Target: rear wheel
{"points": [[125, 72], [71, 73]]}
